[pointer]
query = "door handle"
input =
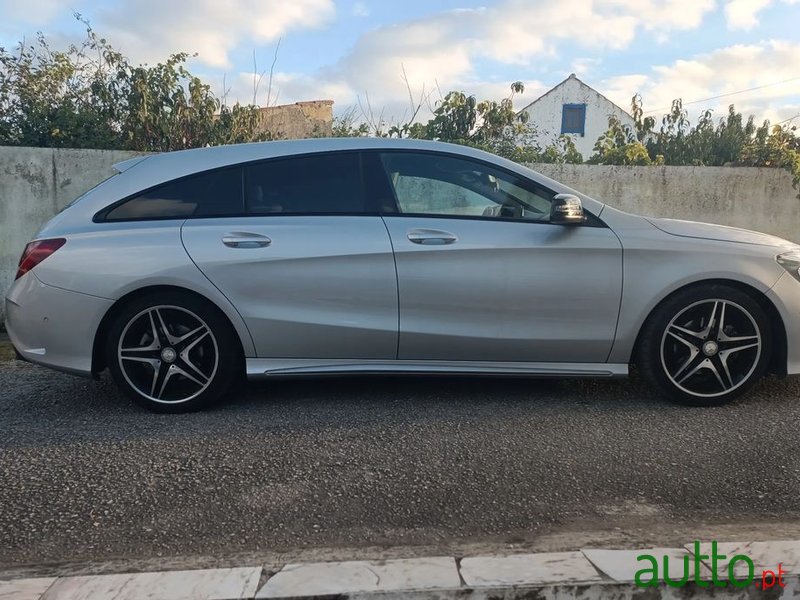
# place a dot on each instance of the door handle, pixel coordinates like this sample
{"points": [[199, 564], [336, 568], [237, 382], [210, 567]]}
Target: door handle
{"points": [[431, 237], [243, 239]]}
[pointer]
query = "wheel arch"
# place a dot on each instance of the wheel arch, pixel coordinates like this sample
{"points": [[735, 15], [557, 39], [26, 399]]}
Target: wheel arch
{"points": [[101, 334], [777, 362]]}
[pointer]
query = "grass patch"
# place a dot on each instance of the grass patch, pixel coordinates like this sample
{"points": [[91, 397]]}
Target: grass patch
{"points": [[7, 351]]}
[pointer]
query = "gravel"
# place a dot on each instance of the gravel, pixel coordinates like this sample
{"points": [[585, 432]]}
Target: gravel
{"points": [[293, 466]]}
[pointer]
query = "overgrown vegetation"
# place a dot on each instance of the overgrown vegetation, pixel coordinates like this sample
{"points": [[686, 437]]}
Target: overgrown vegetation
{"points": [[459, 118], [730, 140], [91, 96]]}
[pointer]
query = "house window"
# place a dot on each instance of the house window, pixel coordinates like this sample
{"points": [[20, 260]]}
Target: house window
{"points": [[573, 118]]}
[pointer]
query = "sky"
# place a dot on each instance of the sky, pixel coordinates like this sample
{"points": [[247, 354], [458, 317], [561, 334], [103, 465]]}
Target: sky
{"points": [[382, 58]]}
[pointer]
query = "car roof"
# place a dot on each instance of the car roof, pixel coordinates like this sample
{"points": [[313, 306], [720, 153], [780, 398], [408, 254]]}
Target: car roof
{"points": [[185, 162]]}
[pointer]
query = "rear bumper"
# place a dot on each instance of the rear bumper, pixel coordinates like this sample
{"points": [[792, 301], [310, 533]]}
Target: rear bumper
{"points": [[52, 326], [785, 295]]}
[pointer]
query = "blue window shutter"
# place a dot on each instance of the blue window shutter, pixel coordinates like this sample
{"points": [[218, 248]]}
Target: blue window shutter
{"points": [[573, 118]]}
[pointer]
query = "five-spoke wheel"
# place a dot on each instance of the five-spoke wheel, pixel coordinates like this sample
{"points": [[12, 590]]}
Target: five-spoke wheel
{"points": [[172, 352], [705, 345], [168, 354]]}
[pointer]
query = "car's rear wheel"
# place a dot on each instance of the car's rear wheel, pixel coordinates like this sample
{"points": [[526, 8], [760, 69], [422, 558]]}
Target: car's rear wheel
{"points": [[173, 352], [705, 345]]}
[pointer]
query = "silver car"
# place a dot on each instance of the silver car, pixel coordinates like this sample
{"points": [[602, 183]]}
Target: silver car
{"points": [[188, 270]]}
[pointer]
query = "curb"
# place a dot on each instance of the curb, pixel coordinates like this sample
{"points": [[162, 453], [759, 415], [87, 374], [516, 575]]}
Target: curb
{"points": [[588, 573]]}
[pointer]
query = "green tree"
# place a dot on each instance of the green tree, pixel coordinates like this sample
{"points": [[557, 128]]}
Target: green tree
{"points": [[91, 96], [347, 125], [643, 125], [671, 139], [561, 151], [619, 146], [732, 136], [454, 119], [57, 98], [776, 147], [489, 125], [732, 140]]}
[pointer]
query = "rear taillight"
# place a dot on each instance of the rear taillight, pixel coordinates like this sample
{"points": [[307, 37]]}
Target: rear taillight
{"points": [[36, 252]]}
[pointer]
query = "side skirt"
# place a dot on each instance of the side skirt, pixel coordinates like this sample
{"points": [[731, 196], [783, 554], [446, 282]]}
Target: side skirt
{"points": [[296, 367]]}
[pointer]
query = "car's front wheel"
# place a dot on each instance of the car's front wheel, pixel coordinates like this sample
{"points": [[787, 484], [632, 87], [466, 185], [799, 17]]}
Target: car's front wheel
{"points": [[705, 345], [172, 352]]}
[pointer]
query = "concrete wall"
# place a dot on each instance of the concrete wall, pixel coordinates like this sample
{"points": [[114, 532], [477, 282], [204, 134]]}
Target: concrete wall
{"points": [[37, 182], [752, 198], [299, 120], [544, 114]]}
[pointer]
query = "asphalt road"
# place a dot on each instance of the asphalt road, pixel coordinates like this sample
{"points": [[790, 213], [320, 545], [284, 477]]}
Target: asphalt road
{"points": [[347, 467]]}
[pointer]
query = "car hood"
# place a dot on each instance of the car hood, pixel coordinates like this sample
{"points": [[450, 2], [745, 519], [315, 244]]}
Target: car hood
{"points": [[709, 231]]}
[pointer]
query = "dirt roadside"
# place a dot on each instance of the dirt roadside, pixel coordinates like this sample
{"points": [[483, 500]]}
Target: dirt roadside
{"points": [[638, 533]]}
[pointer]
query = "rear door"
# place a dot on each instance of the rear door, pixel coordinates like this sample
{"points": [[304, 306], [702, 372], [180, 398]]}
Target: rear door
{"points": [[309, 265]]}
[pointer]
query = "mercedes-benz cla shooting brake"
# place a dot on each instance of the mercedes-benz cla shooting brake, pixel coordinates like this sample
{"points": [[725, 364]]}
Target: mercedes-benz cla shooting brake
{"points": [[188, 270]]}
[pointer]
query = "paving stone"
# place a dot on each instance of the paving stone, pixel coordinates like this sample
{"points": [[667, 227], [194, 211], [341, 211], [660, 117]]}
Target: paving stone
{"points": [[25, 589], [534, 569], [316, 579], [622, 565], [765, 556], [208, 584]]}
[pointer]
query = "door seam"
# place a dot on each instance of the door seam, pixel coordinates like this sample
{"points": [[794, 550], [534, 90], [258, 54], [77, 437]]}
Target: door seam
{"points": [[397, 284]]}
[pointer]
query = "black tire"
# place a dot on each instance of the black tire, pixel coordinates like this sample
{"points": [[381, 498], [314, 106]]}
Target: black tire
{"points": [[182, 369], [729, 362]]}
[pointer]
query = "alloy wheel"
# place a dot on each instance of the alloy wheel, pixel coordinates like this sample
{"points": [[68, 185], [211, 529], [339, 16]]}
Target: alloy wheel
{"points": [[168, 354], [711, 348]]}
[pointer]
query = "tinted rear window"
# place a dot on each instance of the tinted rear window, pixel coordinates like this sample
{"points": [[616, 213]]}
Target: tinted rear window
{"points": [[319, 184], [216, 193]]}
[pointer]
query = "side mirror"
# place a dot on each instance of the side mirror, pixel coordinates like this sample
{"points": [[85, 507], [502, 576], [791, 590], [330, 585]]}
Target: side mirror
{"points": [[567, 209]]}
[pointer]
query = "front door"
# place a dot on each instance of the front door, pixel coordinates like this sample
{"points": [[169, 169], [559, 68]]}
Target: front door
{"points": [[484, 276]]}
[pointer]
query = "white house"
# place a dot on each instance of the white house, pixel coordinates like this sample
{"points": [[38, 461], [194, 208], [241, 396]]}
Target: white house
{"points": [[575, 109]]}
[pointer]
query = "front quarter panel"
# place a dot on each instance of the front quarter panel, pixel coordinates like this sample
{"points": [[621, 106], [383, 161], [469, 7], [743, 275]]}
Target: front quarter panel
{"points": [[785, 295], [656, 264], [111, 260]]}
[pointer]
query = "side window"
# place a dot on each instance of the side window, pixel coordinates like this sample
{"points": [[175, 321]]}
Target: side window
{"points": [[431, 184], [211, 194], [317, 184]]}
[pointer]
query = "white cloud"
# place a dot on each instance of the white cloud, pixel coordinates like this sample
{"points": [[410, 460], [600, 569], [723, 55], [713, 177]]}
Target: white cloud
{"points": [[668, 15], [723, 72], [441, 50], [436, 52], [621, 89], [31, 11], [584, 65], [519, 30], [743, 14], [440, 47], [148, 30]]}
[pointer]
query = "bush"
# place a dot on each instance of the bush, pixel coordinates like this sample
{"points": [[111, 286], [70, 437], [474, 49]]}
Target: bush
{"points": [[91, 96]]}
